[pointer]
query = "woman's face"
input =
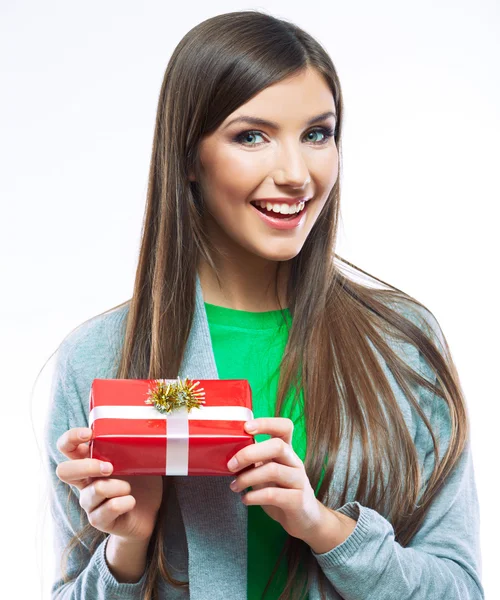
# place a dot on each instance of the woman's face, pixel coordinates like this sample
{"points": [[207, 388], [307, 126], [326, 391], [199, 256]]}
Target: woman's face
{"points": [[291, 161]]}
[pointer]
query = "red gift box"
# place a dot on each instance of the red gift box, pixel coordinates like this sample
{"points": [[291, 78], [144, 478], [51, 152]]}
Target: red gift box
{"points": [[138, 439]]}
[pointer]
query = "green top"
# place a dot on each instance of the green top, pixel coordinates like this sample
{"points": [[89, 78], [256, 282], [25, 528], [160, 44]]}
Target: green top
{"points": [[250, 345]]}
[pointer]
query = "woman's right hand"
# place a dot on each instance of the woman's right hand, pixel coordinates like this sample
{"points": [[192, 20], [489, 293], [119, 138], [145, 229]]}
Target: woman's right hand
{"points": [[126, 507]]}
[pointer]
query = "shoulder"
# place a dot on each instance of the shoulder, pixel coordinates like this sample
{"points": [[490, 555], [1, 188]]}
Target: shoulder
{"points": [[412, 353], [421, 316], [92, 350], [424, 319]]}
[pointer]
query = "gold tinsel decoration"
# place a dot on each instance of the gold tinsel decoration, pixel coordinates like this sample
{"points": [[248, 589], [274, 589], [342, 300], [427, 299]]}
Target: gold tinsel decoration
{"points": [[167, 396]]}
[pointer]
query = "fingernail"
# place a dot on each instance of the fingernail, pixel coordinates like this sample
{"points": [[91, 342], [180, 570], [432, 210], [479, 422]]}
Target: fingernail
{"points": [[232, 464], [84, 433], [251, 426], [106, 467]]}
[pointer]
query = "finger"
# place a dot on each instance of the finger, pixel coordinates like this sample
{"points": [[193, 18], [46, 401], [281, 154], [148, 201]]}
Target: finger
{"points": [[105, 515], [280, 427], [80, 472], [100, 490], [72, 445], [270, 473], [273, 449]]}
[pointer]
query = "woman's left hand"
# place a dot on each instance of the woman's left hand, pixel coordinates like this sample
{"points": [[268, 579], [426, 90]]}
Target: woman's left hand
{"points": [[279, 480]]}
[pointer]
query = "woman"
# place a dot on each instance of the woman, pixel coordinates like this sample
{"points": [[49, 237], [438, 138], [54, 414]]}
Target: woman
{"points": [[362, 483]]}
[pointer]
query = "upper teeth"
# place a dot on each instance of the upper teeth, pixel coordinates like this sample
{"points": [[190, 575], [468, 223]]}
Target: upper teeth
{"points": [[284, 209]]}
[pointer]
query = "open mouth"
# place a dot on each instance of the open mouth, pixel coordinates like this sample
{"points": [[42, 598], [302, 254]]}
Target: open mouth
{"points": [[283, 212]]}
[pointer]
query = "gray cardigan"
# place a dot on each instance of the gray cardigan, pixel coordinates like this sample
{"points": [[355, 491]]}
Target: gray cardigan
{"points": [[206, 534]]}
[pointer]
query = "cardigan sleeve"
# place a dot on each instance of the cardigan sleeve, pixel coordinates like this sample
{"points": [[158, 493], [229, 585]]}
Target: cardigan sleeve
{"points": [[88, 571], [442, 560]]}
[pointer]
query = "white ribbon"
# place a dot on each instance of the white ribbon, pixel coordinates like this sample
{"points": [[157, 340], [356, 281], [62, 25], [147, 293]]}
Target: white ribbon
{"points": [[177, 451]]}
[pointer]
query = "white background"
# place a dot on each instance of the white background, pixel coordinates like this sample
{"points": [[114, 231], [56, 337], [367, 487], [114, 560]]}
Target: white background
{"points": [[80, 83]]}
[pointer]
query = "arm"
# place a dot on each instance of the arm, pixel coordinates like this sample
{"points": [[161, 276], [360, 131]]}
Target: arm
{"points": [[91, 576], [126, 561], [443, 559], [333, 529]]}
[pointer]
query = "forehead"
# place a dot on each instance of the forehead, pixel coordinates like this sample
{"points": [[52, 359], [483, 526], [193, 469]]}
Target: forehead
{"points": [[295, 99]]}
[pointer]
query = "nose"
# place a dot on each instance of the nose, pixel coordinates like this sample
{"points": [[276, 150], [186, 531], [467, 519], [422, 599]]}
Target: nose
{"points": [[291, 168]]}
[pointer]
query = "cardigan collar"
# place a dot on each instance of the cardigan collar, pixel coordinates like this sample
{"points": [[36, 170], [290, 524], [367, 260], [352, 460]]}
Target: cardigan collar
{"points": [[210, 509]]}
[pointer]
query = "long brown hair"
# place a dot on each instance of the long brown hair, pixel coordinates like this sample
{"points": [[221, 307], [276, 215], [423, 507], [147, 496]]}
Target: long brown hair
{"points": [[338, 324]]}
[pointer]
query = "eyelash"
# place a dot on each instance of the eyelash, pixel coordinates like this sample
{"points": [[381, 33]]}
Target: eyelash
{"points": [[328, 132]]}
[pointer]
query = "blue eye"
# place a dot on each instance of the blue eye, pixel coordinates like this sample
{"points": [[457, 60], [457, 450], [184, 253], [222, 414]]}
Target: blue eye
{"points": [[327, 132], [240, 138]]}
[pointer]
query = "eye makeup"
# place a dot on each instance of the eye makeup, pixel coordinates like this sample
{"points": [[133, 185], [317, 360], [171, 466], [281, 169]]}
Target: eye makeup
{"points": [[326, 131]]}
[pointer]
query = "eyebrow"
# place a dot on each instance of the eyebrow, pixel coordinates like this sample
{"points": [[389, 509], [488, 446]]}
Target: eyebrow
{"points": [[257, 121]]}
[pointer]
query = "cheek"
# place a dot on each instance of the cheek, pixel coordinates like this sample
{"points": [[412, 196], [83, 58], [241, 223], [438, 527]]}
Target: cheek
{"points": [[232, 174], [231, 182], [327, 169]]}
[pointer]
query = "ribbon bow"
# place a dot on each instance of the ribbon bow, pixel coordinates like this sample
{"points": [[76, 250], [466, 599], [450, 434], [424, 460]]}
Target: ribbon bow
{"points": [[168, 395]]}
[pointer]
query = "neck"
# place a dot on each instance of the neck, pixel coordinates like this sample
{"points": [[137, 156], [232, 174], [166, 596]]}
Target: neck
{"points": [[248, 285]]}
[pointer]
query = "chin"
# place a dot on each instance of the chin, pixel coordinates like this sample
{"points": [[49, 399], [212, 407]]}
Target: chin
{"points": [[281, 255]]}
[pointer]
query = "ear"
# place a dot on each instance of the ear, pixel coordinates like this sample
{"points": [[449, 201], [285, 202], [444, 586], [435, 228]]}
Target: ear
{"points": [[191, 176]]}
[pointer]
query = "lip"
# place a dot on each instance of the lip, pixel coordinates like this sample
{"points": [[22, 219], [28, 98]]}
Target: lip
{"points": [[280, 223], [283, 200]]}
